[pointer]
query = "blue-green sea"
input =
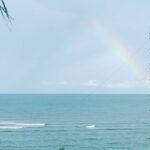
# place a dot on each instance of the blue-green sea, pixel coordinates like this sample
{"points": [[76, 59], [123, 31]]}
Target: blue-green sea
{"points": [[74, 122]]}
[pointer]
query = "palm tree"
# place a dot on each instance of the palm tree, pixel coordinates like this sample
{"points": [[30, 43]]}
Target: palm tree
{"points": [[4, 11]]}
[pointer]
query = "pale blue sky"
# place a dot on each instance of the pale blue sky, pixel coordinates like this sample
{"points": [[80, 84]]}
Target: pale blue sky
{"points": [[53, 46]]}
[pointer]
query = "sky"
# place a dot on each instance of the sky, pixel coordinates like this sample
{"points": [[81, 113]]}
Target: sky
{"points": [[94, 46]]}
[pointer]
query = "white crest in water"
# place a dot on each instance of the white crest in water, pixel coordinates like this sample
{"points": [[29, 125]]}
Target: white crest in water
{"points": [[17, 125], [91, 126]]}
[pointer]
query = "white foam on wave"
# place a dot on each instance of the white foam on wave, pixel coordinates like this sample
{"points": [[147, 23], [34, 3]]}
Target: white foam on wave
{"points": [[10, 127], [19, 125], [91, 126], [30, 124]]}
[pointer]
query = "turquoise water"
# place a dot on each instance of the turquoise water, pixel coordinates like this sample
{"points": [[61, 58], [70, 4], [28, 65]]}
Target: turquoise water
{"points": [[49, 122]]}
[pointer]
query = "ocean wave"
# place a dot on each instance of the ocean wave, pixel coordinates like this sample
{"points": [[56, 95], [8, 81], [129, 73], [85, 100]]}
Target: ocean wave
{"points": [[10, 127], [90, 126], [19, 125]]}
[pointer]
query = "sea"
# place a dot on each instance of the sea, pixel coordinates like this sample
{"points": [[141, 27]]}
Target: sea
{"points": [[74, 122]]}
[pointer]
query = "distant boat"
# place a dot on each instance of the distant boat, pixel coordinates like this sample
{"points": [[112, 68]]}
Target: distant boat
{"points": [[91, 126]]}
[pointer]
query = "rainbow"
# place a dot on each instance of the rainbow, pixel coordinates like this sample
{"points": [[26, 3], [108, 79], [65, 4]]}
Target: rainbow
{"points": [[122, 51]]}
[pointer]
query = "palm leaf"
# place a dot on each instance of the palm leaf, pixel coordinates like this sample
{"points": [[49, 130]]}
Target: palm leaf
{"points": [[4, 11]]}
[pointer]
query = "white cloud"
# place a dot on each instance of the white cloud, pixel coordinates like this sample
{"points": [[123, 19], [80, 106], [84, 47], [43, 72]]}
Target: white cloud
{"points": [[126, 85], [49, 83], [90, 83]]}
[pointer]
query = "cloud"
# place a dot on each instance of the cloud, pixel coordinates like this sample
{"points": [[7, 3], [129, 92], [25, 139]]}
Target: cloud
{"points": [[126, 85], [90, 83], [116, 85], [49, 83]]}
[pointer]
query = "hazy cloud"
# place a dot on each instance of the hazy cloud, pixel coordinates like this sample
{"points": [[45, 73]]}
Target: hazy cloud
{"points": [[49, 83], [90, 83]]}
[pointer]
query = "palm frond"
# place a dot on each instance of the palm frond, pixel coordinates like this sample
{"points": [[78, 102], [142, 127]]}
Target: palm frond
{"points": [[4, 11]]}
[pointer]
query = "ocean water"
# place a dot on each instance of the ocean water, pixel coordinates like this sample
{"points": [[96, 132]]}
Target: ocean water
{"points": [[74, 122]]}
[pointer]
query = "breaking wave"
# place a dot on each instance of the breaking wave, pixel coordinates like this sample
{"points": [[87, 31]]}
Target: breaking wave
{"points": [[90, 126], [17, 125]]}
